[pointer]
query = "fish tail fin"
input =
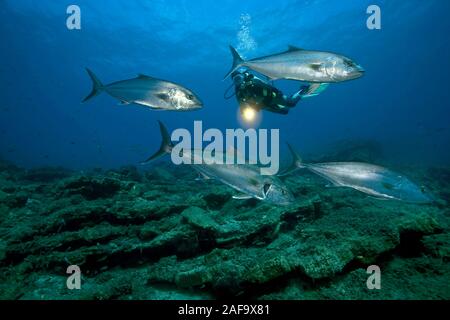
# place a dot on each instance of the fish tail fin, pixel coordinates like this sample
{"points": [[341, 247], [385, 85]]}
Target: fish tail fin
{"points": [[297, 162], [237, 62], [296, 157], [166, 144], [97, 86]]}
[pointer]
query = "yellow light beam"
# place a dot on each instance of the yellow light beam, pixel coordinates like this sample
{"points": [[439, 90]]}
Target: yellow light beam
{"points": [[248, 114]]}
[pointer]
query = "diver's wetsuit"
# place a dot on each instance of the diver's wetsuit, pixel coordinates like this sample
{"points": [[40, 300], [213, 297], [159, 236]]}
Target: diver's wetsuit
{"points": [[258, 94]]}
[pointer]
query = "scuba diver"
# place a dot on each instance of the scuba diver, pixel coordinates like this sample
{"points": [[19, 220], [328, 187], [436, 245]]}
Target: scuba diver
{"points": [[258, 94]]}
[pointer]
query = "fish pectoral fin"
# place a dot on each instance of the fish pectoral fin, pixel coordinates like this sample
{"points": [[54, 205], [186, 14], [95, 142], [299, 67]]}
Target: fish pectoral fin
{"points": [[316, 66], [123, 103], [242, 196], [202, 176], [163, 96]]}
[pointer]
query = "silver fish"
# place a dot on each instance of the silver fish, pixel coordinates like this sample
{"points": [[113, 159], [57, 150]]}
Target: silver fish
{"points": [[244, 178], [302, 65], [149, 92], [371, 179]]}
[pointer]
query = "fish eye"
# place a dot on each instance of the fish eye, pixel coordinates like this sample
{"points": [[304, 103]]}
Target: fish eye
{"points": [[190, 97], [349, 63]]}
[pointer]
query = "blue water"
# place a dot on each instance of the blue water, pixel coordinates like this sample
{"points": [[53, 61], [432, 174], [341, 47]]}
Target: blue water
{"points": [[401, 102]]}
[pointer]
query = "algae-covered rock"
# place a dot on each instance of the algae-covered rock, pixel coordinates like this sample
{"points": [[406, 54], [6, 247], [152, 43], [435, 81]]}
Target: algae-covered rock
{"points": [[318, 249], [129, 173], [3, 196], [199, 218], [148, 231], [437, 245], [163, 234], [400, 279], [2, 250], [161, 174], [92, 188], [192, 278], [15, 200]]}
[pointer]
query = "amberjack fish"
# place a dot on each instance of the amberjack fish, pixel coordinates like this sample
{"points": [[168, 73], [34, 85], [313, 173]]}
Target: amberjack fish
{"points": [[149, 92], [371, 179], [245, 178], [302, 65]]}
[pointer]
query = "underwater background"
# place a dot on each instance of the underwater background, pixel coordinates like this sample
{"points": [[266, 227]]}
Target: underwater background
{"points": [[72, 190]]}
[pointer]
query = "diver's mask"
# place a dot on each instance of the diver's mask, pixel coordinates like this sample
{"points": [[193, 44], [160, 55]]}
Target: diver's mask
{"points": [[248, 76], [240, 78]]}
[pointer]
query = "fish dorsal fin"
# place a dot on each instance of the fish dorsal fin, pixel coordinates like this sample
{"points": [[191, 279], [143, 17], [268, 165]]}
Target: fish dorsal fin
{"points": [[294, 48], [143, 76]]}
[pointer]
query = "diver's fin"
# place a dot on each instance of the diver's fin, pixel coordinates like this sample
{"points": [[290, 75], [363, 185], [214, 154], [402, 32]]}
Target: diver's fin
{"points": [[294, 48], [97, 86], [166, 144], [314, 89], [242, 196], [237, 62], [295, 164]]}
